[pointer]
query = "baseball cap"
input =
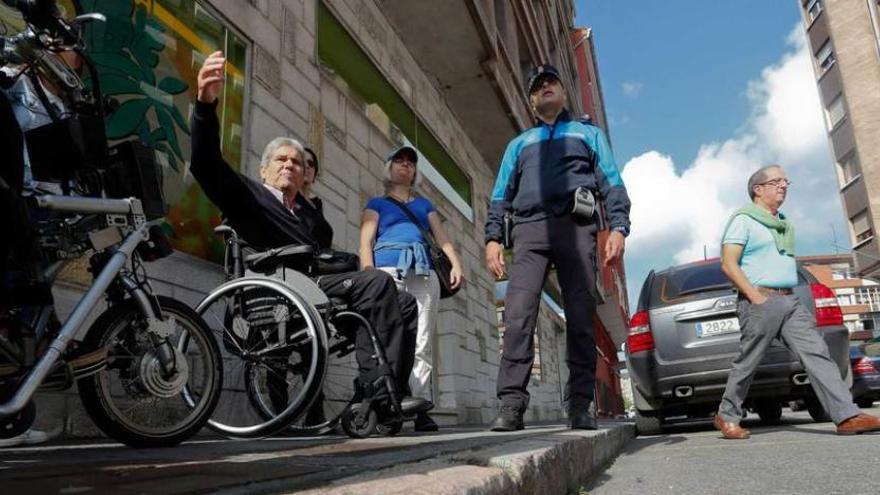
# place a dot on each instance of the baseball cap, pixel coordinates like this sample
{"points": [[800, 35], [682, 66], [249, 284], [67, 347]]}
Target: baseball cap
{"points": [[538, 72], [401, 150]]}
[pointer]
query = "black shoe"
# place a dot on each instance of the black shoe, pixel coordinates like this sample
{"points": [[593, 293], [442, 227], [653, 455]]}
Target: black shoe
{"points": [[581, 420], [509, 419], [415, 405], [425, 423]]}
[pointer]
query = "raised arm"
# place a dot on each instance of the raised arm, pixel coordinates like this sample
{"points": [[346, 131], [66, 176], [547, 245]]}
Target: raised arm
{"points": [[223, 186]]}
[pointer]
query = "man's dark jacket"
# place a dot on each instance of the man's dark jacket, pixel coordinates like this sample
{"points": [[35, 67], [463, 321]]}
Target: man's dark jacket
{"points": [[542, 167], [251, 209]]}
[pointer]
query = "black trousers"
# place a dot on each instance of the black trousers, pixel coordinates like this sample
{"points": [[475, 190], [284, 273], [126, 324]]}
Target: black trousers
{"points": [[21, 260], [393, 315], [572, 248]]}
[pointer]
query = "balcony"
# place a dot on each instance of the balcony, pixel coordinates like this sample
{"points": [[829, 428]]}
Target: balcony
{"points": [[479, 80]]}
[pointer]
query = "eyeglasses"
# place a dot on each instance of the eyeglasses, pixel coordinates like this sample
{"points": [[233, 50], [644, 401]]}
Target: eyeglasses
{"points": [[310, 164], [776, 183]]}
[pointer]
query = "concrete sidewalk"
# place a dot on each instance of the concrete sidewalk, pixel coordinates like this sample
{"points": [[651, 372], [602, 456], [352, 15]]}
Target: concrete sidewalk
{"points": [[542, 459]]}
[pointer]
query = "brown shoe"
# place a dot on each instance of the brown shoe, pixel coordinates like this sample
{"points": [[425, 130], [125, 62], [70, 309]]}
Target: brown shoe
{"points": [[731, 431], [861, 423]]}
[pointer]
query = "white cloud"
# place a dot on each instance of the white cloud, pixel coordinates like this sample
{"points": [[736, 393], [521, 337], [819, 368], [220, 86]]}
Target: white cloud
{"points": [[632, 88], [675, 214]]}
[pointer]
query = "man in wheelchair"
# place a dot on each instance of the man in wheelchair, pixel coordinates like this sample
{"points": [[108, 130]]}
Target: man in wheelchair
{"points": [[266, 216]]}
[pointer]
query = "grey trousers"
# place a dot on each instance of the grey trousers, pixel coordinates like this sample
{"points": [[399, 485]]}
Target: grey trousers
{"points": [[572, 247], [784, 317]]}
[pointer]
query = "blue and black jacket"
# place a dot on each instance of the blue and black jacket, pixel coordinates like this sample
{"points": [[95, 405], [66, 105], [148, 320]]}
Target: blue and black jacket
{"points": [[543, 166]]}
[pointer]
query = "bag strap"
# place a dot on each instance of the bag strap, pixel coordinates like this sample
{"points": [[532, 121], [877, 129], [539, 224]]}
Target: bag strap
{"points": [[412, 217]]}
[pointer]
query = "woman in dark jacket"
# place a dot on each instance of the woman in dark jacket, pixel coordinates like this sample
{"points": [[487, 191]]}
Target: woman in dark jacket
{"points": [[310, 206]]}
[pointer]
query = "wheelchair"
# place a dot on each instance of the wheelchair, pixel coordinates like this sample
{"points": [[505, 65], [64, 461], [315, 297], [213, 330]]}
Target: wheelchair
{"points": [[288, 351]]}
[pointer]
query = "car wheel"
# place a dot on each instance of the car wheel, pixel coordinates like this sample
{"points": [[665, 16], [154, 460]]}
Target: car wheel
{"points": [[865, 403], [648, 425], [816, 410], [770, 412]]}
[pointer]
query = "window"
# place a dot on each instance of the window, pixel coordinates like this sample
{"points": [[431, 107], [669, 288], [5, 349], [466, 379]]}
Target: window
{"points": [[341, 55], [869, 296], [814, 9], [835, 112], [147, 55], [686, 283], [849, 168], [825, 56], [841, 271], [861, 227]]}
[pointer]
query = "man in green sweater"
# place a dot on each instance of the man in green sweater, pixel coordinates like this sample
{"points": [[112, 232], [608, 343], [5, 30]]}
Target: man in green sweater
{"points": [[757, 255]]}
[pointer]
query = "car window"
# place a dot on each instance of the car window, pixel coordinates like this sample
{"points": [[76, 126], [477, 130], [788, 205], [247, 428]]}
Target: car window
{"points": [[688, 282]]}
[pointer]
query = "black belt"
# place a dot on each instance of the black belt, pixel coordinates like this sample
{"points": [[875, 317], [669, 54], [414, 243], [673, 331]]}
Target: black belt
{"points": [[770, 291]]}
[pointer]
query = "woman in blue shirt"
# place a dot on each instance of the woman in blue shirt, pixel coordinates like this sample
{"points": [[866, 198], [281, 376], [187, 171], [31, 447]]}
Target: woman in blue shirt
{"points": [[391, 242]]}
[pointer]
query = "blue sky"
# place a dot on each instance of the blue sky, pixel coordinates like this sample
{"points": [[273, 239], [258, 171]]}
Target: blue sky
{"points": [[692, 58], [699, 94]]}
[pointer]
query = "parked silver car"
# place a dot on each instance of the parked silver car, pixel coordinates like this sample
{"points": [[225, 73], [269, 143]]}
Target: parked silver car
{"points": [[685, 335]]}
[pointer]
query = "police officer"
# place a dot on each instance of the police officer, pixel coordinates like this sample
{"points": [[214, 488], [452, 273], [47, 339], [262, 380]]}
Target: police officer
{"points": [[541, 171]]}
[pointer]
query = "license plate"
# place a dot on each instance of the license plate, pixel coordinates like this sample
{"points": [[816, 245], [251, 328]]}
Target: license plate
{"points": [[717, 327]]}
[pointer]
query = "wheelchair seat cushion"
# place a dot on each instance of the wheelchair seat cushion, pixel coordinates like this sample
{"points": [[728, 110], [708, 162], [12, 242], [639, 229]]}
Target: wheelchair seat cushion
{"points": [[298, 257]]}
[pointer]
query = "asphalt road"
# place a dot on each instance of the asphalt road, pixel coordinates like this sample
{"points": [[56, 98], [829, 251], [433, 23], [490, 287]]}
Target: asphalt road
{"points": [[796, 457]]}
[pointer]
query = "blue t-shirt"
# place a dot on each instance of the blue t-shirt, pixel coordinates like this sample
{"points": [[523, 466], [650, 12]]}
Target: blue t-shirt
{"points": [[761, 261], [395, 226]]}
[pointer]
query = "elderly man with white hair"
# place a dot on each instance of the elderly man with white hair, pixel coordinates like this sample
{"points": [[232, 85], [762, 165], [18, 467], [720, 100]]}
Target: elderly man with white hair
{"points": [[265, 214]]}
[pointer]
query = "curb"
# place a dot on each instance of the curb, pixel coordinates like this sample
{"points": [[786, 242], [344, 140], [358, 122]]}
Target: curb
{"points": [[556, 462]]}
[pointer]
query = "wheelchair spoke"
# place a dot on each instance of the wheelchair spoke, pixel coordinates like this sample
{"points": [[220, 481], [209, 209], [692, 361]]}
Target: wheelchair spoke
{"points": [[228, 335], [298, 339]]}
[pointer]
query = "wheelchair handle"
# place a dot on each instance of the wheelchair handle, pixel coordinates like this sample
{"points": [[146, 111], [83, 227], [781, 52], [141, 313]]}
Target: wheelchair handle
{"points": [[226, 230], [233, 249]]}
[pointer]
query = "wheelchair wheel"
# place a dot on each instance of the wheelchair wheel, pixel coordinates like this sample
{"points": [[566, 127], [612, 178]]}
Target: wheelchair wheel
{"points": [[358, 423], [274, 347], [339, 388]]}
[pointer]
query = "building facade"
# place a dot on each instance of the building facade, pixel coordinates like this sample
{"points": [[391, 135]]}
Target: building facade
{"points": [[844, 38], [859, 298], [352, 79]]}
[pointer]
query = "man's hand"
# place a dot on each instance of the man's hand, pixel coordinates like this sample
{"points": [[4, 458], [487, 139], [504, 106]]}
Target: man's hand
{"points": [[759, 299], [495, 258], [210, 78], [456, 278], [613, 248]]}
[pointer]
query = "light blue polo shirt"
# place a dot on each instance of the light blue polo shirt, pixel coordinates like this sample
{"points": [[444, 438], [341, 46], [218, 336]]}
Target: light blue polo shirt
{"points": [[761, 261]]}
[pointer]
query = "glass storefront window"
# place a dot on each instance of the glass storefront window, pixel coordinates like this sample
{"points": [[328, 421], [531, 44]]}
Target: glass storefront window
{"points": [[147, 55]]}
